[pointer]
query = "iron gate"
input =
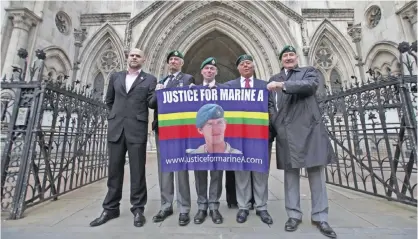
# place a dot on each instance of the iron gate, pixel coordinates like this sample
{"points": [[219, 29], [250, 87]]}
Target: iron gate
{"points": [[372, 126], [53, 138]]}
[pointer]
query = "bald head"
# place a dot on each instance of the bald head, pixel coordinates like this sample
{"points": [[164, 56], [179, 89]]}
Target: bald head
{"points": [[135, 59]]}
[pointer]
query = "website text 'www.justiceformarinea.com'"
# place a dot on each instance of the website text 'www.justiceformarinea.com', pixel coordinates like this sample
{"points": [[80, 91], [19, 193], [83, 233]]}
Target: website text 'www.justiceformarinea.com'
{"points": [[214, 159]]}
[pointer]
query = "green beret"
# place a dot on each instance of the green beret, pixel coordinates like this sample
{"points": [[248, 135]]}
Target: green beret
{"points": [[208, 61], [285, 49], [207, 112], [175, 53], [243, 58]]}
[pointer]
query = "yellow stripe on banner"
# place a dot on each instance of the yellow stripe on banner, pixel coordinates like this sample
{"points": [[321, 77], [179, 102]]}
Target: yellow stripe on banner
{"points": [[227, 114]]}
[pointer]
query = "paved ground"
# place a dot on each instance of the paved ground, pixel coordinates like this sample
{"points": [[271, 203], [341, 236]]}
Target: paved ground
{"points": [[352, 215]]}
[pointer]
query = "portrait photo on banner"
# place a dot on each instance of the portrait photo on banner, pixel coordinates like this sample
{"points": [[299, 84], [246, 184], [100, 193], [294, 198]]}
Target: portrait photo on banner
{"points": [[213, 129]]}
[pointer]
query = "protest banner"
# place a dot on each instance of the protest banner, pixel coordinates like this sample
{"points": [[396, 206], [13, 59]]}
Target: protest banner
{"points": [[213, 129]]}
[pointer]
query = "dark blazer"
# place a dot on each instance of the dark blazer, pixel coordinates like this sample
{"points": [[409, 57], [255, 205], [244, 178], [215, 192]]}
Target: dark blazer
{"points": [[129, 111], [302, 140], [184, 78]]}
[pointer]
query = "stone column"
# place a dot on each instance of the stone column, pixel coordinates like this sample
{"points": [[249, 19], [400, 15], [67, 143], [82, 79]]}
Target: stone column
{"points": [[23, 20], [355, 33], [79, 36]]}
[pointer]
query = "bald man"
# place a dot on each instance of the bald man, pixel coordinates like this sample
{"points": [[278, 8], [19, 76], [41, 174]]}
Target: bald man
{"points": [[129, 95]]}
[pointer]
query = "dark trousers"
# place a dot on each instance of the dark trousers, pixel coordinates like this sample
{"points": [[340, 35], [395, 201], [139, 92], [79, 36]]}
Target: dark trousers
{"points": [[137, 156]]}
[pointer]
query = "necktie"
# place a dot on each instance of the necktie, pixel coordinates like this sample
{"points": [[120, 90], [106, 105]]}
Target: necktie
{"points": [[169, 78], [247, 83]]}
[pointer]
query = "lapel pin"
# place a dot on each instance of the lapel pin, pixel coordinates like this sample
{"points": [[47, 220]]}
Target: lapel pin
{"points": [[142, 78]]}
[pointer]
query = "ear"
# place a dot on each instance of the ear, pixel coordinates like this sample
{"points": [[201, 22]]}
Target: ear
{"points": [[200, 131]]}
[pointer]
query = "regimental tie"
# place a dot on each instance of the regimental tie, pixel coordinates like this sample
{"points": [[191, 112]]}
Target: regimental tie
{"points": [[169, 78], [247, 83]]}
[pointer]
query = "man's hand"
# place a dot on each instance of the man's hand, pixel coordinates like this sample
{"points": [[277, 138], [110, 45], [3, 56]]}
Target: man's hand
{"points": [[159, 87], [275, 86], [191, 85]]}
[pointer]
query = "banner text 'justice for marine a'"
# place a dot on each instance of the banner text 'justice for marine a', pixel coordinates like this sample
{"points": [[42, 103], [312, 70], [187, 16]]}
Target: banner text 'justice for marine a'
{"points": [[213, 129]]}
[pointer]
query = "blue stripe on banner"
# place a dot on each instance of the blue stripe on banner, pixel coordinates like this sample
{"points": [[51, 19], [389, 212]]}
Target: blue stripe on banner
{"points": [[254, 158], [194, 105]]}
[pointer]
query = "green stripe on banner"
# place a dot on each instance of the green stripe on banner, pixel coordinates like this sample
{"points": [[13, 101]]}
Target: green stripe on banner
{"points": [[229, 121]]}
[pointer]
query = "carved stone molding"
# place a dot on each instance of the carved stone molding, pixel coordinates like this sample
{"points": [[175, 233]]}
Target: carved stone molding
{"points": [[156, 5], [137, 19], [94, 19], [373, 16], [23, 18], [79, 36], [328, 13], [355, 33], [196, 14], [409, 11]]}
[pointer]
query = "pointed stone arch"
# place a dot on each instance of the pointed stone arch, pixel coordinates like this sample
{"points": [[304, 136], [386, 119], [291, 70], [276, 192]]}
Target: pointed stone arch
{"points": [[179, 25], [383, 56], [56, 63], [104, 45], [331, 50]]}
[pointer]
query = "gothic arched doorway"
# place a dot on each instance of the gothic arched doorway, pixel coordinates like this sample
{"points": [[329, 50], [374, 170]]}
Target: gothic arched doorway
{"points": [[218, 45]]}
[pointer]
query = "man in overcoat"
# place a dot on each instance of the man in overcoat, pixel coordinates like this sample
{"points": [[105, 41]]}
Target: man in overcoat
{"points": [[301, 138], [129, 95]]}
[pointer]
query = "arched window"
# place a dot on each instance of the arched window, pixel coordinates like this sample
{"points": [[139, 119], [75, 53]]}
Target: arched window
{"points": [[335, 81]]}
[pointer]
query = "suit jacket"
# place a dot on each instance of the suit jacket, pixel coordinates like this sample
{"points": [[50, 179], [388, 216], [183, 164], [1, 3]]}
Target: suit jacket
{"points": [[186, 79], [129, 111], [302, 140]]}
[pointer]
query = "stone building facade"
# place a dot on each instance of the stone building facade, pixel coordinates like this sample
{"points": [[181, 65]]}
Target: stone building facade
{"points": [[86, 41]]}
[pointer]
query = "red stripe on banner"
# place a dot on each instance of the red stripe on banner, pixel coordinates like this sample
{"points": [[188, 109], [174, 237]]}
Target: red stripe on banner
{"points": [[232, 131]]}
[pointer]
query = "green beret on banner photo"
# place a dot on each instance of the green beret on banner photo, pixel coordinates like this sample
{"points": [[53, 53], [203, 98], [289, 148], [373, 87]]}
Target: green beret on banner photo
{"points": [[285, 49], [175, 53], [244, 58], [208, 61]]}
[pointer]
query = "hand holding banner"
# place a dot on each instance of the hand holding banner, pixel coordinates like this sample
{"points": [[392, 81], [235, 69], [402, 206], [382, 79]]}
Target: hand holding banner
{"points": [[213, 129]]}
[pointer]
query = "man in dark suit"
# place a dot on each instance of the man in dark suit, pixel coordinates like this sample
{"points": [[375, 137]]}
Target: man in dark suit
{"points": [[209, 70], [301, 139], [176, 78], [129, 95], [243, 179]]}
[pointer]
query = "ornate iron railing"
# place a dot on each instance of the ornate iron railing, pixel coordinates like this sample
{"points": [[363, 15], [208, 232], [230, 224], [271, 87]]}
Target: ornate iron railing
{"points": [[372, 126], [53, 138]]}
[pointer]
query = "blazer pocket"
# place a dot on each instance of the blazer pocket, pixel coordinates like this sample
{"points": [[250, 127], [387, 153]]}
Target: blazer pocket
{"points": [[111, 116], [142, 118]]}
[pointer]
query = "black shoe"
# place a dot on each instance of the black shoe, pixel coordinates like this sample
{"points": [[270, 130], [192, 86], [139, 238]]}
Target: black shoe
{"points": [[252, 207], [139, 219], [292, 224], [242, 215], [200, 216], [184, 219], [265, 216], [216, 216], [104, 217], [162, 215], [232, 205], [325, 229]]}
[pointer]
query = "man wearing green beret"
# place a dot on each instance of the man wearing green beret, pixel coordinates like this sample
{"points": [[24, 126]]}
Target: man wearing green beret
{"points": [[211, 124], [301, 138], [259, 187], [175, 78]]}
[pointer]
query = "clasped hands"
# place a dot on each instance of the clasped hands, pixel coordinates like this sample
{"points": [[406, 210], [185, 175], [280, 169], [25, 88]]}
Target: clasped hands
{"points": [[275, 86]]}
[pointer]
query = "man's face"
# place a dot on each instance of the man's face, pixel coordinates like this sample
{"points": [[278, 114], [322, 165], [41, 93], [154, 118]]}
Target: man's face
{"points": [[246, 68], [209, 72], [214, 131], [289, 60], [135, 59], [175, 63]]}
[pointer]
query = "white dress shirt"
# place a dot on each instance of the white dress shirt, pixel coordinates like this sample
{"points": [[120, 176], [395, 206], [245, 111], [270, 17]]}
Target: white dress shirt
{"points": [[211, 84], [251, 82], [130, 78]]}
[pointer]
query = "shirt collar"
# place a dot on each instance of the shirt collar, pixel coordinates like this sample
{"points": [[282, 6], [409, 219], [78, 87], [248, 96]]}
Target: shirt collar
{"points": [[243, 78], [212, 83], [133, 73]]}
